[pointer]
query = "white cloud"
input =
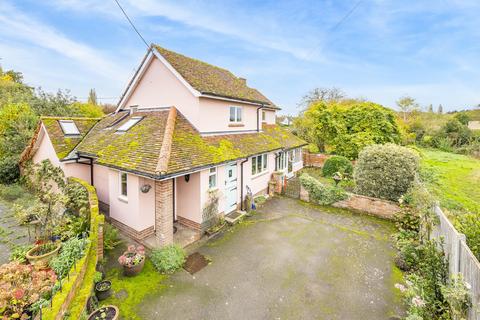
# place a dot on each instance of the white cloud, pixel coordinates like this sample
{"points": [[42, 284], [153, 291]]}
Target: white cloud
{"points": [[20, 26]]}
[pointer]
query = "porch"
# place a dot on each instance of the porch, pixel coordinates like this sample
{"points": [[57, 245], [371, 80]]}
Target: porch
{"points": [[182, 236]]}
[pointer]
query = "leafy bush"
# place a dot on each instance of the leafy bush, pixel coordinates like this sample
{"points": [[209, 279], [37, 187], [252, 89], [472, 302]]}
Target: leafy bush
{"points": [[21, 286], [469, 224], [321, 193], [385, 171], [337, 164], [71, 251], [19, 253], [111, 237], [168, 259], [457, 293], [9, 170], [11, 192]]}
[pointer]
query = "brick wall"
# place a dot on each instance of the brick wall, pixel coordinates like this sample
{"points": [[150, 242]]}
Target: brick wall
{"points": [[164, 212], [378, 207], [137, 235], [314, 159]]}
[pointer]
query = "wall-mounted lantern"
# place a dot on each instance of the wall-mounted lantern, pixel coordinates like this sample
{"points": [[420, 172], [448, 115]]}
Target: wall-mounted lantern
{"points": [[187, 177], [145, 188]]}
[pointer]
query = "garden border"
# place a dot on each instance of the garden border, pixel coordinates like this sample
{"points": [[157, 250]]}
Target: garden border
{"points": [[75, 287]]}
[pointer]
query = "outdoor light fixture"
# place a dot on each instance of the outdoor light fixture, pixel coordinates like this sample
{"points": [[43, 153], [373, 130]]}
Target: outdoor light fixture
{"points": [[187, 177], [145, 188]]}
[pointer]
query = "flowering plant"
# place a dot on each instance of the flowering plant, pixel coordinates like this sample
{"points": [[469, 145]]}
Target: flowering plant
{"points": [[21, 286], [133, 256], [457, 293]]}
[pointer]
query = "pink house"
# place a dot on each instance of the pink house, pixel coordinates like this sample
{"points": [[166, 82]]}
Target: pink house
{"points": [[186, 143]]}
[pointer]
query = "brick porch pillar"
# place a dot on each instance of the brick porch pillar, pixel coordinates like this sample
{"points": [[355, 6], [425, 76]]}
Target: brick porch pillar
{"points": [[164, 212]]}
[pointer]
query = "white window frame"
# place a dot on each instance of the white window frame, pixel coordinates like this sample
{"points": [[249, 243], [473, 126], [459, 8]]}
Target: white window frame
{"points": [[237, 114], [259, 160], [212, 172], [122, 196], [65, 123], [129, 124], [282, 161], [298, 155]]}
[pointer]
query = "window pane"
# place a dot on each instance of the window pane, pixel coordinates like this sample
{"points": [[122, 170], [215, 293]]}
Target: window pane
{"points": [[232, 114], [130, 123], [263, 115], [124, 184], [69, 127], [265, 162], [239, 114], [212, 181], [259, 164], [254, 165]]}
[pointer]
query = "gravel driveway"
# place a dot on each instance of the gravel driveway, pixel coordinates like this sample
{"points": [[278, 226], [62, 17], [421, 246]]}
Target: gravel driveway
{"points": [[289, 261]]}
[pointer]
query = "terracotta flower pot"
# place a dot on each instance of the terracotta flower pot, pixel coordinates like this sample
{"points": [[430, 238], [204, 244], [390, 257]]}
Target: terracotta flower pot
{"points": [[133, 270], [110, 312], [41, 262]]}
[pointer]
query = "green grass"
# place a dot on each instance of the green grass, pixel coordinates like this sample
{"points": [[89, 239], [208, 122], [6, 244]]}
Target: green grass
{"points": [[129, 292], [453, 179]]}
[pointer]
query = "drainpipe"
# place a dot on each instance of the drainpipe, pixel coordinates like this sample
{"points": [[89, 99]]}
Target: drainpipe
{"points": [[91, 171], [277, 155], [241, 183], [258, 117]]}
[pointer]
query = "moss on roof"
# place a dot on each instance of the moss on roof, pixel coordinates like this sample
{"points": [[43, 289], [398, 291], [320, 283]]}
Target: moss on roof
{"points": [[209, 79], [63, 144], [138, 149]]}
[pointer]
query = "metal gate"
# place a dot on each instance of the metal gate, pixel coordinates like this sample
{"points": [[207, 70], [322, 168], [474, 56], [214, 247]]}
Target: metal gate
{"points": [[292, 188]]}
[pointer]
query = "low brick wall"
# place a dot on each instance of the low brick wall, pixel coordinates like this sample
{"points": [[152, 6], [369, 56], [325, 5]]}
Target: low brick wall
{"points": [[377, 207], [314, 159], [129, 231]]}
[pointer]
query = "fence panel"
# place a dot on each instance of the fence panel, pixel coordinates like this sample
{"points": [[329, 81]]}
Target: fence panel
{"points": [[460, 259]]}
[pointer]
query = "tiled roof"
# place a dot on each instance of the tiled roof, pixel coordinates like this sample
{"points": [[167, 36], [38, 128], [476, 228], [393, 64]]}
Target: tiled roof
{"points": [[63, 144], [209, 79], [139, 149], [136, 150]]}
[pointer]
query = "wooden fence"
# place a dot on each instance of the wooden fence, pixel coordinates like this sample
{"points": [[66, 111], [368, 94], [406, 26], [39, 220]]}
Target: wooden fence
{"points": [[460, 259]]}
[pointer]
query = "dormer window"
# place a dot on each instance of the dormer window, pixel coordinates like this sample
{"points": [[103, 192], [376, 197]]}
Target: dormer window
{"points": [[236, 114], [130, 123], [69, 127]]}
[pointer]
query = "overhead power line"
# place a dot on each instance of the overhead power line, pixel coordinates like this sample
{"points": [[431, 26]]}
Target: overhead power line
{"points": [[345, 17], [131, 23]]}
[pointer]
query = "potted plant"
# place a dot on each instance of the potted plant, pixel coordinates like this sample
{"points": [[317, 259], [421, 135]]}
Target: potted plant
{"points": [[104, 313], [132, 260], [41, 254], [103, 289]]}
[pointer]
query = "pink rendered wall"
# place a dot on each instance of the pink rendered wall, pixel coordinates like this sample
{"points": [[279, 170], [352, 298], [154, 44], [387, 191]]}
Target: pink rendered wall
{"points": [[138, 210], [160, 87], [100, 180], [46, 151], [215, 116], [188, 197], [269, 116]]}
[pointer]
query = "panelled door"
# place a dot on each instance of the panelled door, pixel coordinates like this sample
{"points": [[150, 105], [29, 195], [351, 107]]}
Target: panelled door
{"points": [[231, 187]]}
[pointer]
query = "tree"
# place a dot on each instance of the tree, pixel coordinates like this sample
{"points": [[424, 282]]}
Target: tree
{"points": [[406, 104], [322, 94], [430, 108], [88, 110], [17, 122], [92, 97], [344, 129], [440, 109]]}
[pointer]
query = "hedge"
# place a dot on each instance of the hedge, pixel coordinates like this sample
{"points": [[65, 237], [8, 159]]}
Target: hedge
{"points": [[77, 287], [321, 193]]}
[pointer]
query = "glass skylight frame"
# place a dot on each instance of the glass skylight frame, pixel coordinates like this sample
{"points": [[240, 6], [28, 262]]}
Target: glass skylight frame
{"points": [[69, 127], [129, 124]]}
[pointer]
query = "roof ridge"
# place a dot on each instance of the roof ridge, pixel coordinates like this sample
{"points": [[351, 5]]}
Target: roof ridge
{"points": [[165, 150], [70, 118]]}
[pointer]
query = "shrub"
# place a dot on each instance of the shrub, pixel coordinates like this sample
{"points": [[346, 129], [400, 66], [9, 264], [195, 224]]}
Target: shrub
{"points": [[19, 253], [111, 237], [9, 170], [11, 192], [21, 286], [385, 171], [72, 250], [469, 224], [337, 164], [168, 259], [321, 193]]}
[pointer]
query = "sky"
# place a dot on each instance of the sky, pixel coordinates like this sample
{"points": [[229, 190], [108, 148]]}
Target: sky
{"points": [[379, 50]]}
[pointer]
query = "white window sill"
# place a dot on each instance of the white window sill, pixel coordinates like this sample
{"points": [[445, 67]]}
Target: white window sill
{"points": [[213, 189], [123, 198], [259, 174]]}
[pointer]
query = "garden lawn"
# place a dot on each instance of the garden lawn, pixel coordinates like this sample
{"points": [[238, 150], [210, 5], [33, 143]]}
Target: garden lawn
{"points": [[453, 179]]}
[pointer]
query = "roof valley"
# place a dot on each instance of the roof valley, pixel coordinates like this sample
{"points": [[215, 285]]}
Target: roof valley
{"points": [[165, 150]]}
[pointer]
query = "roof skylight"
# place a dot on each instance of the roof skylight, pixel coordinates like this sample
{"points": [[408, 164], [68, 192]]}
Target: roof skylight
{"points": [[130, 123], [69, 127]]}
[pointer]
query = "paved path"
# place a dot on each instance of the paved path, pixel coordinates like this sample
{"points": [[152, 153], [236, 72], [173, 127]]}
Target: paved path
{"points": [[10, 233], [289, 261]]}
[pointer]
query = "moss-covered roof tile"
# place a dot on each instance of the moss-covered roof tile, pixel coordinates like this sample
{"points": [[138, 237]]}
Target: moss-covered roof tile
{"points": [[210, 79], [64, 144]]}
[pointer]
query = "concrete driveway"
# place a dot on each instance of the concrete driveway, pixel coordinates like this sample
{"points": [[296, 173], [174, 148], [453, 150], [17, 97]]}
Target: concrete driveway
{"points": [[289, 261]]}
